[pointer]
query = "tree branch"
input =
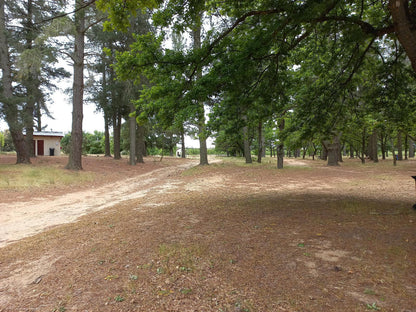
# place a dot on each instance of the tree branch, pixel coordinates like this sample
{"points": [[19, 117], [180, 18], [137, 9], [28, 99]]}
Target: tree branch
{"points": [[87, 4], [365, 27]]}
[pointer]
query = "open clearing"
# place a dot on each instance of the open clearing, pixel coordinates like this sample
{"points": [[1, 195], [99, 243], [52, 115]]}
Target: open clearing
{"points": [[169, 236]]}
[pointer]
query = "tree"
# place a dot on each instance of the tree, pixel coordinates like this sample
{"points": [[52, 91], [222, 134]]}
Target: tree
{"points": [[8, 99], [75, 152], [31, 60], [83, 22], [325, 44]]}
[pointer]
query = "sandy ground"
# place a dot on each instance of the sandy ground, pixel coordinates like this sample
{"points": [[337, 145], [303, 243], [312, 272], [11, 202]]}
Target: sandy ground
{"points": [[337, 260], [26, 218]]}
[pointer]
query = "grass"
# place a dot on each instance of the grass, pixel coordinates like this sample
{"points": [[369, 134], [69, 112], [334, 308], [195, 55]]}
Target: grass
{"points": [[234, 249], [24, 177]]}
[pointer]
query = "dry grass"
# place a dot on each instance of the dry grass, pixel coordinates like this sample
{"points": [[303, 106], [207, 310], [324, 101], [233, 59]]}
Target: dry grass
{"points": [[26, 176], [250, 243]]}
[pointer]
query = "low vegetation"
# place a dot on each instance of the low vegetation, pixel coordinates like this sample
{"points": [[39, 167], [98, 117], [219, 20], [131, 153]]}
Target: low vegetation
{"points": [[232, 237]]}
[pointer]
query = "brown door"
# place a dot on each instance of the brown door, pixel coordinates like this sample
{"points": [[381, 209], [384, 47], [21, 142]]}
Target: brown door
{"points": [[40, 147]]}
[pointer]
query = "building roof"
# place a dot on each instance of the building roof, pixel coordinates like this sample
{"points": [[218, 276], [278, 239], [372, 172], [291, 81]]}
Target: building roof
{"points": [[48, 133]]}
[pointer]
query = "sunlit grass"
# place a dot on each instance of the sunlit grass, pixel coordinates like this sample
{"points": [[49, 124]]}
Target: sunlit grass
{"points": [[25, 177]]}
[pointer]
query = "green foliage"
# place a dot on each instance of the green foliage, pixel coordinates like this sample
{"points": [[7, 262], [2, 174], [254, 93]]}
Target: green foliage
{"points": [[322, 67], [1, 141], [120, 11], [91, 143]]}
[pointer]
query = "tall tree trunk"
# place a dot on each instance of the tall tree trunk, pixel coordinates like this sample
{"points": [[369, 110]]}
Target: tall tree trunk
{"points": [[107, 118], [141, 145], [116, 135], [399, 146], [406, 146], [280, 146], [203, 150], [260, 141], [183, 149], [383, 144], [404, 27], [132, 134], [202, 129], [394, 154], [411, 148], [333, 148], [107, 145], [351, 151], [363, 145], [30, 85], [10, 109], [75, 152], [372, 146], [247, 151]]}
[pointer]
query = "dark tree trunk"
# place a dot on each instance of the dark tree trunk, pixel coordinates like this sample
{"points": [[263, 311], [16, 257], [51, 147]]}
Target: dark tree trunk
{"points": [[202, 129], [246, 142], [333, 148], [30, 84], [9, 107], [394, 154], [324, 152], [406, 146], [75, 152], [280, 146], [411, 148], [107, 146], [203, 150], [363, 145], [132, 135], [404, 27], [399, 146], [141, 146], [183, 148], [247, 151], [372, 147], [351, 151], [260, 142], [383, 144]]}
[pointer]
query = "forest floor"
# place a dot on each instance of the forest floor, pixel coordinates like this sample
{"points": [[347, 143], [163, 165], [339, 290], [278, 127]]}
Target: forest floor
{"points": [[172, 236]]}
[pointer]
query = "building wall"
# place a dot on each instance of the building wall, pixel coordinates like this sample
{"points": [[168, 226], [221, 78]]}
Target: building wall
{"points": [[49, 142]]}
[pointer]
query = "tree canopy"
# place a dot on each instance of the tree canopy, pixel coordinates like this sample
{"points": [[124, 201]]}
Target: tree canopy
{"points": [[259, 60]]}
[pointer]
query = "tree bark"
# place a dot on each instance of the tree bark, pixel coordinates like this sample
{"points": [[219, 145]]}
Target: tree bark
{"points": [[9, 106], [141, 146], [117, 135], [183, 149], [406, 146], [107, 145], [260, 142], [75, 152], [372, 147], [405, 27], [132, 134], [399, 146], [247, 151], [203, 150], [280, 146], [333, 151], [411, 148], [202, 131], [31, 86]]}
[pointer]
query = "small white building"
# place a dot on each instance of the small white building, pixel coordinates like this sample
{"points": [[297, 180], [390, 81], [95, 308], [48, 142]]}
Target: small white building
{"points": [[47, 143]]}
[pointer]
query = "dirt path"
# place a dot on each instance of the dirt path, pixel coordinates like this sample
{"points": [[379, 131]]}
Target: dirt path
{"points": [[23, 219]]}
